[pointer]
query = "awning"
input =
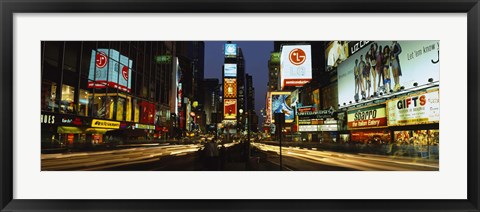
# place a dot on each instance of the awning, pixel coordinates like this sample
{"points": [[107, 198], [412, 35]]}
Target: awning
{"points": [[65, 129]]}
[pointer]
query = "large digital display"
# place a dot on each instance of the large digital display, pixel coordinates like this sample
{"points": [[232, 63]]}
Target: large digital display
{"points": [[386, 66], [283, 102], [230, 50], [295, 65], [230, 108], [230, 70], [367, 117], [229, 88], [420, 108], [108, 68], [335, 53]]}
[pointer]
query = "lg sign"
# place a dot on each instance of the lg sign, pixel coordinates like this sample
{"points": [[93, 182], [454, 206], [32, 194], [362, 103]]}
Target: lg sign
{"points": [[101, 60], [297, 56], [125, 72]]}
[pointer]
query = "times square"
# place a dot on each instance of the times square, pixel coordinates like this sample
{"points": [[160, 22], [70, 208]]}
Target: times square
{"points": [[240, 105]]}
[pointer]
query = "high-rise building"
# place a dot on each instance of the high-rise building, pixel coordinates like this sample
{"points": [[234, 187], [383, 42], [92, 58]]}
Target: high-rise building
{"points": [[212, 92], [94, 90], [273, 71], [250, 94], [191, 64], [233, 84]]}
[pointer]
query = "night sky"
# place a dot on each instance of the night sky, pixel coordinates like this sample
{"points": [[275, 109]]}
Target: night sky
{"points": [[256, 55]]}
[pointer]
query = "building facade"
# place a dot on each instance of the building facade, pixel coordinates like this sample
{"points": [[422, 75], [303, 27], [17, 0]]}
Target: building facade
{"points": [[106, 92]]}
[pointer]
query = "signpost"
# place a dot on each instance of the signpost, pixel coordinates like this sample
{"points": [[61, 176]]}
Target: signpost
{"points": [[279, 121]]}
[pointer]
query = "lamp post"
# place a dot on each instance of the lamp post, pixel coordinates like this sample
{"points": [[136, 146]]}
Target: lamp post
{"points": [[241, 121]]}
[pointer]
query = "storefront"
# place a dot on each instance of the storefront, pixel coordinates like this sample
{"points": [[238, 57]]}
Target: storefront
{"points": [[368, 125], [414, 122], [68, 131], [317, 126]]}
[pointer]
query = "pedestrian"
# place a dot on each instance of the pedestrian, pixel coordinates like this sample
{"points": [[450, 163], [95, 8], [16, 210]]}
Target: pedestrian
{"points": [[211, 156]]}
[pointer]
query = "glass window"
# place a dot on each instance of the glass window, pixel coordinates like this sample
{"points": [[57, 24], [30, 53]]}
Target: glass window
{"points": [[121, 106], [49, 95], [88, 46], [128, 109], [103, 106], [99, 106], [52, 53], [83, 103], [72, 52], [136, 112], [66, 103], [110, 106]]}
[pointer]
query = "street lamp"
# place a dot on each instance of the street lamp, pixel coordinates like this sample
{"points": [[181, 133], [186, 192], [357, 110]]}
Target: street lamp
{"points": [[241, 121]]}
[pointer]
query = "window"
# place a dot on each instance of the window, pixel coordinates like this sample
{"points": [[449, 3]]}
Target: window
{"points": [[136, 112], [103, 106], [121, 106], [83, 103], [72, 52], [66, 103], [49, 96]]}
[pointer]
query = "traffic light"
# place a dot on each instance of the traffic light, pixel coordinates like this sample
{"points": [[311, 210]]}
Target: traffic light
{"points": [[279, 122]]}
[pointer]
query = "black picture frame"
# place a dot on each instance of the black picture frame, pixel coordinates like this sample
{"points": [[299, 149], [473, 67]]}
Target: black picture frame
{"points": [[10, 7]]}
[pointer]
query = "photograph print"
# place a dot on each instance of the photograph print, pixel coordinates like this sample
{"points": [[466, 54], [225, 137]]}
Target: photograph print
{"points": [[240, 105]]}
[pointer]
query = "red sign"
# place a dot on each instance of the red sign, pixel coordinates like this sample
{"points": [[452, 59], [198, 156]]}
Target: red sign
{"points": [[77, 121], [230, 108], [147, 112], [295, 82], [306, 109], [101, 60], [125, 72], [104, 84], [367, 117], [297, 56]]}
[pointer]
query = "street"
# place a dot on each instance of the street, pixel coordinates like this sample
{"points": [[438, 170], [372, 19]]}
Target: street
{"points": [[188, 158], [295, 158]]}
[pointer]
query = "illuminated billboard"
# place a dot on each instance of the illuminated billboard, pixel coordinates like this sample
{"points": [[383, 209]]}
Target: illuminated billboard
{"points": [[367, 117], [335, 53], [230, 50], [385, 67], [229, 88], [295, 65], [419, 108], [283, 102], [230, 70], [108, 68], [230, 108]]}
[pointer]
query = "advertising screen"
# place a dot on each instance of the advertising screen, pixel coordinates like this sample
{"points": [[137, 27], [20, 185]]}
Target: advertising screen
{"points": [[108, 68], [295, 65], [283, 102], [335, 53], [420, 108], [385, 67], [230, 70], [229, 88], [367, 117], [230, 108], [268, 107], [230, 50]]}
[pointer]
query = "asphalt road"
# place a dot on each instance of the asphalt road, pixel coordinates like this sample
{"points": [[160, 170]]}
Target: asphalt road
{"points": [[294, 158], [136, 158], [187, 158]]}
